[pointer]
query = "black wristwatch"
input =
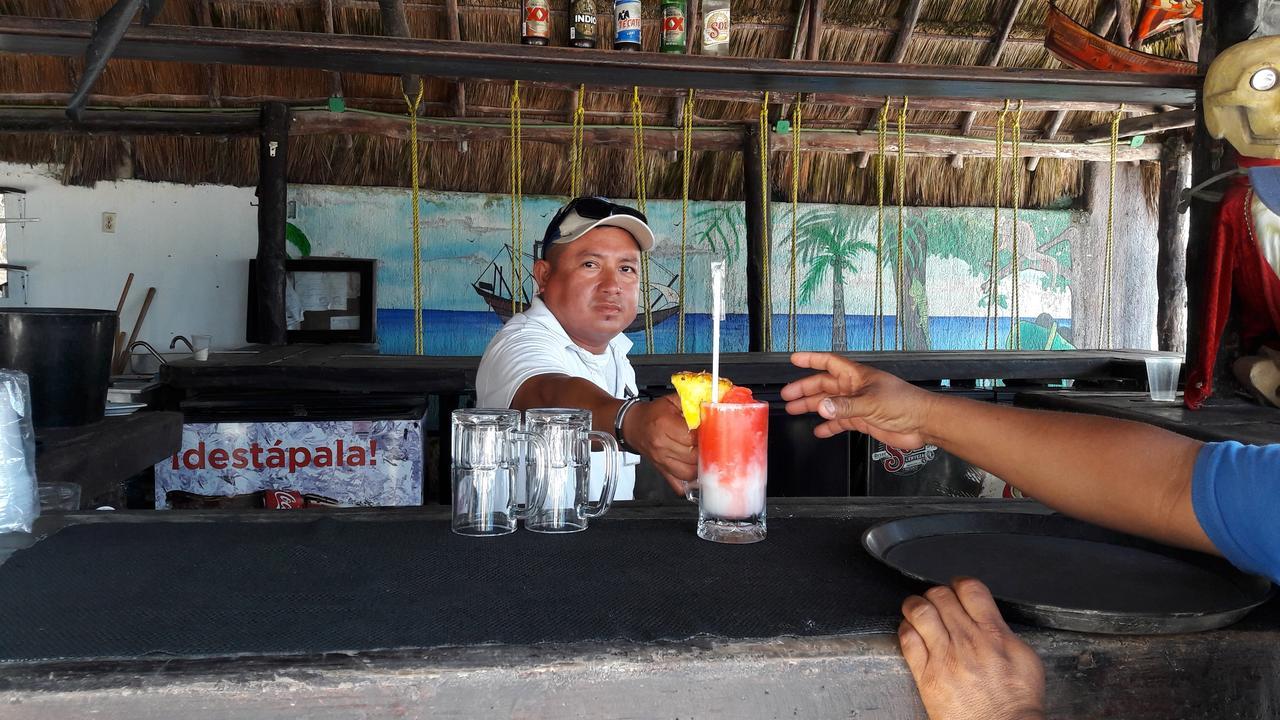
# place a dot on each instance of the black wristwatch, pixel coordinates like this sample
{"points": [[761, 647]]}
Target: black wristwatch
{"points": [[618, 419]]}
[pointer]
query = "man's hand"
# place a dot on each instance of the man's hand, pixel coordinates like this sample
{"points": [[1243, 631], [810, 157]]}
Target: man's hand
{"points": [[855, 397], [658, 430], [966, 662]]}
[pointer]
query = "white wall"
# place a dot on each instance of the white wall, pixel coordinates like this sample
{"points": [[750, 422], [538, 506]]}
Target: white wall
{"points": [[191, 243]]}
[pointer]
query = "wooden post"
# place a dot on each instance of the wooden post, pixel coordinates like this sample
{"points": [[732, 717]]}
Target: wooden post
{"points": [[273, 196], [759, 310], [1171, 235], [1226, 22]]}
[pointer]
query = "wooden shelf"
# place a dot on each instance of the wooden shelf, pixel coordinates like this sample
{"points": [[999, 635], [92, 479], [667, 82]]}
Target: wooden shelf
{"points": [[571, 66]]}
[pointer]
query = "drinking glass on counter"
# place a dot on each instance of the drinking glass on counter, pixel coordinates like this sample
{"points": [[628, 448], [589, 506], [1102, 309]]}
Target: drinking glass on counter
{"points": [[200, 347], [560, 496], [733, 441], [485, 453]]}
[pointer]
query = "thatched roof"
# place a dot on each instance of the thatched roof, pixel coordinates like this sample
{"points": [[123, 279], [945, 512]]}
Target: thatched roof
{"points": [[949, 32]]}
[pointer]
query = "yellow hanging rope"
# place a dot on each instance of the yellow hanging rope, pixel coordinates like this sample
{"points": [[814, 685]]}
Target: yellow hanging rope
{"points": [[900, 175], [991, 336], [793, 331], [767, 250], [517, 205], [637, 133], [575, 146], [1015, 329], [1105, 333], [414, 106], [877, 328], [686, 148]]}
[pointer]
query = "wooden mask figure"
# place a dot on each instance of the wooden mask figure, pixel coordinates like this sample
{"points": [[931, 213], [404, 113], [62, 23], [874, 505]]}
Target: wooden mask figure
{"points": [[1242, 97], [1242, 106]]}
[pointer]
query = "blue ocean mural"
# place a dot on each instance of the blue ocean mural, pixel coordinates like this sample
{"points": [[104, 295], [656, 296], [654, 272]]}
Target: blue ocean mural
{"points": [[946, 273]]}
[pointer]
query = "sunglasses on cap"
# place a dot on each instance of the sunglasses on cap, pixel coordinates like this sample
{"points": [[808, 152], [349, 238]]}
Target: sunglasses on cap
{"points": [[589, 208]]}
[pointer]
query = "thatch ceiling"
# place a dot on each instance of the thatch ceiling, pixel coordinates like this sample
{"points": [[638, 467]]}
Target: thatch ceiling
{"points": [[949, 32]]}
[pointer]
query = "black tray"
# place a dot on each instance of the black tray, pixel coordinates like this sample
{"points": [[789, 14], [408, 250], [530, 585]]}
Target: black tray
{"points": [[1061, 573]]}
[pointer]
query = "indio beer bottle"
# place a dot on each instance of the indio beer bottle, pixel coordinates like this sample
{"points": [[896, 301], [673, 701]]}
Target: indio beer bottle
{"points": [[582, 23]]}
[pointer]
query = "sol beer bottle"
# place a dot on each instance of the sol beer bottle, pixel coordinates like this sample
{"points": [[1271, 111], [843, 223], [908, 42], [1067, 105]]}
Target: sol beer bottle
{"points": [[582, 23], [673, 26], [536, 29], [715, 27], [626, 24]]}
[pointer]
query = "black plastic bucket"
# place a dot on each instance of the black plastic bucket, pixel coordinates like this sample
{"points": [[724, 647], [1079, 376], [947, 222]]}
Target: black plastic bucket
{"points": [[66, 354]]}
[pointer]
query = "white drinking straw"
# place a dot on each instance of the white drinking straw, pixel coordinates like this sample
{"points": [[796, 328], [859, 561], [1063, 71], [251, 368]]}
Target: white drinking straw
{"points": [[717, 310]]}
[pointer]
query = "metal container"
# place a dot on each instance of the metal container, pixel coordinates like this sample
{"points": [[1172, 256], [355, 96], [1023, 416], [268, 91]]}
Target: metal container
{"points": [[66, 354]]}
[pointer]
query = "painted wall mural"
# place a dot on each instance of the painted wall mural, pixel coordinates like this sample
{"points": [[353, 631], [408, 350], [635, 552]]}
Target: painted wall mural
{"points": [[945, 277]]}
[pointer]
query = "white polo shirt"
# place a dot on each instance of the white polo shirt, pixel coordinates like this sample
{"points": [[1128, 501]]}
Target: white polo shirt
{"points": [[534, 343]]}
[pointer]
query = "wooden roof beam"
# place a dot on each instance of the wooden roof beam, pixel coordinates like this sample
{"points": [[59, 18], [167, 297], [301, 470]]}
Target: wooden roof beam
{"points": [[1141, 125], [1124, 23], [910, 16], [1102, 21], [320, 122], [211, 74], [458, 93], [395, 56], [335, 78], [993, 60], [396, 24]]}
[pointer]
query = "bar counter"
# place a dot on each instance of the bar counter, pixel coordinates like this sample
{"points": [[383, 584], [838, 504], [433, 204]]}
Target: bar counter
{"points": [[800, 670]]}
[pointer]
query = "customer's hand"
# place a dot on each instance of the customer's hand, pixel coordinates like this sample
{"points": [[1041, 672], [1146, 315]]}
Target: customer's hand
{"points": [[657, 429], [966, 662], [856, 397]]}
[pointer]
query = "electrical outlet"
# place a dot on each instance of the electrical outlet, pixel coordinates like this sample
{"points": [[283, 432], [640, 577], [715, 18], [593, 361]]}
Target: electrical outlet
{"points": [[108, 222]]}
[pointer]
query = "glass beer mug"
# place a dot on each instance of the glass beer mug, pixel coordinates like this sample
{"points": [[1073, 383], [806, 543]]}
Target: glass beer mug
{"points": [[560, 496], [485, 453]]}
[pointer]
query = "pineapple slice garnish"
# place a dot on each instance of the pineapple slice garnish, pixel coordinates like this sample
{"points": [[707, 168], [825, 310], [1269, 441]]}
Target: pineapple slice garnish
{"points": [[694, 388]]}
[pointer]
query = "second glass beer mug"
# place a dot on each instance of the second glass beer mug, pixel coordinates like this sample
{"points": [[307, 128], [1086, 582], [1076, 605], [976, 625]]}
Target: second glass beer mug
{"points": [[733, 461], [560, 497], [485, 453]]}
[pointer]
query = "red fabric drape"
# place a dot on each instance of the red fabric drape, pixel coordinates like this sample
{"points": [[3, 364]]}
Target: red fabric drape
{"points": [[1236, 269]]}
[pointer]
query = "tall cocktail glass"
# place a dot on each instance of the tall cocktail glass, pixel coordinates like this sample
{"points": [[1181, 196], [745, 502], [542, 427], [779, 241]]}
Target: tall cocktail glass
{"points": [[732, 472]]}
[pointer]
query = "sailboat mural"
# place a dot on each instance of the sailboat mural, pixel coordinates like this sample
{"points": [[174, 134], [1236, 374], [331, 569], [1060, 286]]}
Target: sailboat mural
{"points": [[495, 288]]}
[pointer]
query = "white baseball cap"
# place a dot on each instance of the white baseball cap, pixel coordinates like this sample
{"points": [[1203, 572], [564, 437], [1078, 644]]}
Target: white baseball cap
{"points": [[584, 214]]}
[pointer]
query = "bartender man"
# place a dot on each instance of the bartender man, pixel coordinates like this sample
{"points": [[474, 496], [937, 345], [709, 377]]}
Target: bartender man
{"points": [[1219, 498], [567, 349]]}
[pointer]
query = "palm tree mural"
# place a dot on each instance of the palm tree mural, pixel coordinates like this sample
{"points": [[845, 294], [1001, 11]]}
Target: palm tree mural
{"points": [[827, 242]]}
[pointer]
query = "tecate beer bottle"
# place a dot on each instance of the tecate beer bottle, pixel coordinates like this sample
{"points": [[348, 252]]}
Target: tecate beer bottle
{"points": [[673, 26], [536, 29], [582, 23], [626, 24], [715, 27]]}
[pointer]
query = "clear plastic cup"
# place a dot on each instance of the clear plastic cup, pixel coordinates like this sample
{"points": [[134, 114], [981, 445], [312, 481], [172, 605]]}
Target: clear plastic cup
{"points": [[1162, 377]]}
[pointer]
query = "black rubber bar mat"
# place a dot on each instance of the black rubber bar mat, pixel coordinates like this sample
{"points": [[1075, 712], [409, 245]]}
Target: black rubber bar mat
{"points": [[129, 590]]}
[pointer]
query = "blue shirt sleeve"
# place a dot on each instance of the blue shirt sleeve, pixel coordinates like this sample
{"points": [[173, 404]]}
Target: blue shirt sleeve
{"points": [[1235, 491]]}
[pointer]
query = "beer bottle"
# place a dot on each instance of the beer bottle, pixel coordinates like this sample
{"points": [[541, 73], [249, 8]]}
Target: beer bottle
{"points": [[536, 29], [715, 27], [582, 23], [626, 24], [673, 26]]}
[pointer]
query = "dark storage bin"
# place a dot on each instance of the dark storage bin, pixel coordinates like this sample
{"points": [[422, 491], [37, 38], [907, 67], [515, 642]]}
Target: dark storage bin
{"points": [[66, 354]]}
